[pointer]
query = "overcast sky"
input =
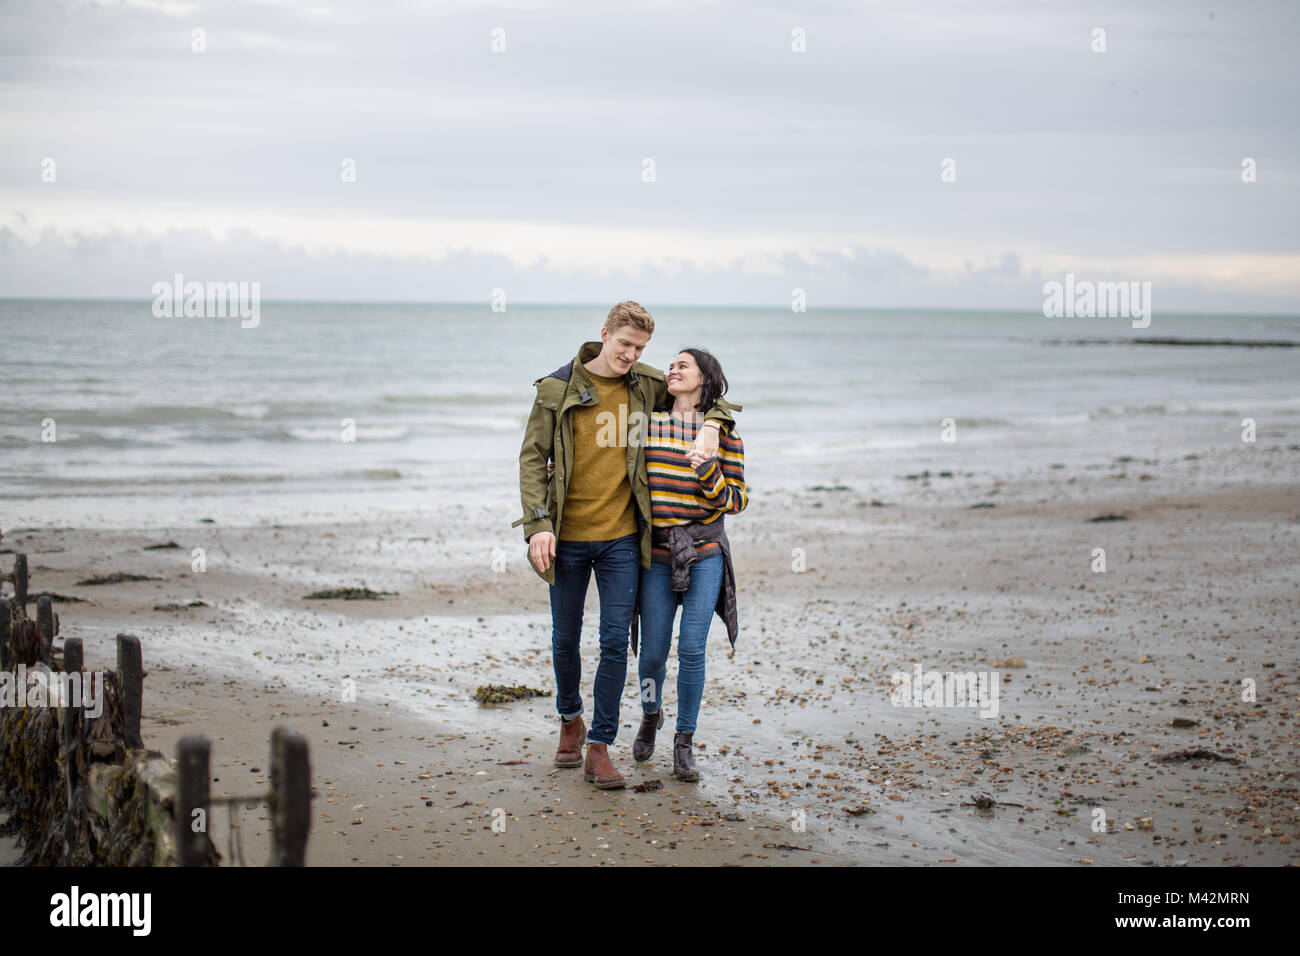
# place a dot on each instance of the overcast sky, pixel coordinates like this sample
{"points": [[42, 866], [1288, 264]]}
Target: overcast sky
{"points": [[773, 169]]}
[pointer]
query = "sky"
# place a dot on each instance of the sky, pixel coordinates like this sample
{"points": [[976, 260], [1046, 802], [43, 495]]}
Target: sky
{"points": [[923, 153]]}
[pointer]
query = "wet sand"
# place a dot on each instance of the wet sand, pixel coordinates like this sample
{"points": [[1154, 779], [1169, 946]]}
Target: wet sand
{"points": [[798, 736]]}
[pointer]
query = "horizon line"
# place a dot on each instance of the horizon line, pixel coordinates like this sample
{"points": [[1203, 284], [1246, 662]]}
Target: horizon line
{"points": [[663, 305]]}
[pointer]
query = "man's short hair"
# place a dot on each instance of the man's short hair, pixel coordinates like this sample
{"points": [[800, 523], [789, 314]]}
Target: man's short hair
{"points": [[630, 313]]}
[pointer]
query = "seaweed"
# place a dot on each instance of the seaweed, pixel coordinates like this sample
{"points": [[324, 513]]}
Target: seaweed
{"points": [[503, 694]]}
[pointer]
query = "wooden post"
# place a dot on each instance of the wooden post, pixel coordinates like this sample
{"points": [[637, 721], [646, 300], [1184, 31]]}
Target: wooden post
{"points": [[290, 798], [130, 685], [5, 657], [193, 757], [70, 733], [20, 581], [45, 627]]}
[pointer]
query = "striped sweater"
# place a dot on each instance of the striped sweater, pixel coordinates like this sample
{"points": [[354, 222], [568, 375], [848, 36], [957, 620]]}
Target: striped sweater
{"points": [[680, 494]]}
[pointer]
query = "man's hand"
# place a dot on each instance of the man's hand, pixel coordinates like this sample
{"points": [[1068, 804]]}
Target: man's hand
{"points": [[550, 468], [706, 444], [541, 550]]}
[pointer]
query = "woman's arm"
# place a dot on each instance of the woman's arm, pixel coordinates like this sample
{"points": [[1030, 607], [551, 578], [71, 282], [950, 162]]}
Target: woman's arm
{"points": [[722, 480]]}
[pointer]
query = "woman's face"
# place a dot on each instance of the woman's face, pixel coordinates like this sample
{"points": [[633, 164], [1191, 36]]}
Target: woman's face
{"points": [[683, 375]]}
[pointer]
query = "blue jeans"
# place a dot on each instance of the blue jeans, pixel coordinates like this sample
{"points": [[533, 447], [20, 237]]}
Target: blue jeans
{"points": [[616, 564], [658, 608]]}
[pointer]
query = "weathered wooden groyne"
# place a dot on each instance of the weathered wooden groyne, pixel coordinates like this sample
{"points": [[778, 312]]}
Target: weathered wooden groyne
{"points": [[80, 785]]}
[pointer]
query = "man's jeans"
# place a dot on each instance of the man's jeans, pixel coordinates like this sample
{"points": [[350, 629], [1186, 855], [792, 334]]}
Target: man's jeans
{"points": [[658, 608], [617, 564]]}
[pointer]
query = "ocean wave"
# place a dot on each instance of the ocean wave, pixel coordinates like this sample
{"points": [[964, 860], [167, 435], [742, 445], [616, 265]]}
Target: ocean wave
{"points": [[375, 474], [124, 480], [977, 422], [1063, 418], [1241, 406], [454, 398], [147, 415], [333, 434], [250, 411], [499, 423]]}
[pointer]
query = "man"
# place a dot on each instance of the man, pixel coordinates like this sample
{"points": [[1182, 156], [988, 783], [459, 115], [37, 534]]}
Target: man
{"points": [[589, 417]]}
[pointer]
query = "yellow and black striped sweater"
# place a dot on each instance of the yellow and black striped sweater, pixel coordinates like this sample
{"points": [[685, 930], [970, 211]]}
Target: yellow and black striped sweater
{"points": [[680, 494]]}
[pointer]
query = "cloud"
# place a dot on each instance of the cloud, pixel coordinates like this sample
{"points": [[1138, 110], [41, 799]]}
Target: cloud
{"points": [[773, 167]]}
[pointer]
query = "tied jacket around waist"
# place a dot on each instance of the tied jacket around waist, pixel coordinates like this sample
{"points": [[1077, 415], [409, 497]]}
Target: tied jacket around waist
{"points": [[689, 504], [680, 540]]}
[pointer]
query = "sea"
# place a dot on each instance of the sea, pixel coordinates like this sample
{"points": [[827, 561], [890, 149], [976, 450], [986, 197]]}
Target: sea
{"points": [[322, 412]]}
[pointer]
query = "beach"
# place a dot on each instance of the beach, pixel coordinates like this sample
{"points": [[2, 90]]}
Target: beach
{"points": [[847, 578]]}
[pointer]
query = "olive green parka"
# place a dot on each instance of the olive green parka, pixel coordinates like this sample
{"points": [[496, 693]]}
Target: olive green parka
{"points": [[549, 435]]}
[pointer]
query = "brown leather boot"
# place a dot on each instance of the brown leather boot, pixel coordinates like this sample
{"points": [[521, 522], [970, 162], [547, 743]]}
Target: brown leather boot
{"points": [[599, 770], [644, 745], [572, 733], [683, 759]]}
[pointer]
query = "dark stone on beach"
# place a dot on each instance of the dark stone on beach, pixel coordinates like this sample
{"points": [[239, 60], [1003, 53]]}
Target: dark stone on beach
{"points": [[1221, 343], [1108, 517], [207, 521], [1184, 756], [180, 607], [1210, 343], [160, 547], [649, 786], [117, 577], [983, 504], [66, 598], [348, 594], [1184, 722], [830, 488]]}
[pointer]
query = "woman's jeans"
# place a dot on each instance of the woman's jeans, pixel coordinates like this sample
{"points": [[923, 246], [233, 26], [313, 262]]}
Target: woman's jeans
{"points": [[617, 564], [658, 608]]}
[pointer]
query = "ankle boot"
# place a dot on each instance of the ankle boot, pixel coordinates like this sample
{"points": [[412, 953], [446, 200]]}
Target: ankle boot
{"points": [[644, 745], [569, 753], [683, 759], [599, 770]]}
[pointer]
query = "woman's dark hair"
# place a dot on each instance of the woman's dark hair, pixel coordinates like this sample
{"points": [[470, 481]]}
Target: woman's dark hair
{"points": [[713, 384]]}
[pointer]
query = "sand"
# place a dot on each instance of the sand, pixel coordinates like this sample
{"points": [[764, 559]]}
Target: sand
{"points": [[804, 758]]}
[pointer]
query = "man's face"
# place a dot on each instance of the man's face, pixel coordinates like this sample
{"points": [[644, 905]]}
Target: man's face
{"points": [[623, 347]]}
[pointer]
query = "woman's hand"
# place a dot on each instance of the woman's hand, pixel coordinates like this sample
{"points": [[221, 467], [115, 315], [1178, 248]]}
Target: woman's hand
{"points": [[706, 441]]}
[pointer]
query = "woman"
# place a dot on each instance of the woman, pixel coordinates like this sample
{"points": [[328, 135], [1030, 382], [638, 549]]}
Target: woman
{"points": [[690, 556]]}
